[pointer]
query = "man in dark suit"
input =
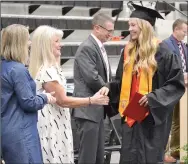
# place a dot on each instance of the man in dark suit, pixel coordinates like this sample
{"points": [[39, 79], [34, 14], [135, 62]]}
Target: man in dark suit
{"points": [[91, 72], [174, 43]]}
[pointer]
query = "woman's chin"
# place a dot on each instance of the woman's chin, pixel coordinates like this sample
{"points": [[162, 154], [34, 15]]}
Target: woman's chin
{"points": [[57, 55], [134, 38]]}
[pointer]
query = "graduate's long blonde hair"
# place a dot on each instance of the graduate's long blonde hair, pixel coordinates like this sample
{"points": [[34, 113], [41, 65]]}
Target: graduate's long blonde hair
{"points": [[41, 49], [146, 45]]}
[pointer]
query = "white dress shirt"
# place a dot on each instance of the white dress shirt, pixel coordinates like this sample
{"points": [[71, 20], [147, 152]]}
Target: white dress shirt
{"points": [[104, 55]]}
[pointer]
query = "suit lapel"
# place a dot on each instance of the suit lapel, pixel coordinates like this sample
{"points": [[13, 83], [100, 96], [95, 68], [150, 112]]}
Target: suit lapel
{"points": [[110, 72], [185, 50], [174, 42], [98, 50]]}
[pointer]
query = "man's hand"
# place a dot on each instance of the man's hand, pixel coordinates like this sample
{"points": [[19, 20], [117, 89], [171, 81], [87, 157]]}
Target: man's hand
{"points": [[103, 91]]}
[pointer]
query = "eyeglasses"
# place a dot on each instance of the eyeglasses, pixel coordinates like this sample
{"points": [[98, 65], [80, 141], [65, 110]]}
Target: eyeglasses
{"points": [[109, 31]]}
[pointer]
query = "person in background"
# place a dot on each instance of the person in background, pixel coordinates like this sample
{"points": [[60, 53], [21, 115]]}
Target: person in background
{"points": [[54, 122], [146, 66], [19, 102], [176, 45], [91, 72]]}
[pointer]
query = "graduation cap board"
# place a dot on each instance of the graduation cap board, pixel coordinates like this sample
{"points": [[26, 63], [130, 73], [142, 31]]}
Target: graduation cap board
{"points": [[145, 13]]}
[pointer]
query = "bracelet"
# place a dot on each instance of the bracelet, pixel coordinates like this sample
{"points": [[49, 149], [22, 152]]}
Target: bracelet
{"points": [[89, 100]]}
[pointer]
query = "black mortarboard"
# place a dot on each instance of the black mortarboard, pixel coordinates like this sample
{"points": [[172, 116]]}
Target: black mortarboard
{"points": [[145, 13]]}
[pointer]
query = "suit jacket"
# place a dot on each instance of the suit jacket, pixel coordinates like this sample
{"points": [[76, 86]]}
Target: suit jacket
{"points": [[89, 76], [172, 45]]}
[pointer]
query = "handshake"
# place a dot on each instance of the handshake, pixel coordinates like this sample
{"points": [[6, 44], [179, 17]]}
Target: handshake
{"points": [[100, 98]]}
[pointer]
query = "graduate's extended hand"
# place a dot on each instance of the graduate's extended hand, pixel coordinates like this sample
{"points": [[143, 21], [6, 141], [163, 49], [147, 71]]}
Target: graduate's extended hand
{"points": [[143, 101], [104, 91]]}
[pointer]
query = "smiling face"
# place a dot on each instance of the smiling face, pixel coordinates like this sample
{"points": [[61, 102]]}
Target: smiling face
{"points": [[105, 32], [56, 46], [134, 29]]}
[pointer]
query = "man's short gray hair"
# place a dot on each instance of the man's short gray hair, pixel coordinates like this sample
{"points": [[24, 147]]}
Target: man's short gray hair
{"points": [[101, 19], [178, 22]]}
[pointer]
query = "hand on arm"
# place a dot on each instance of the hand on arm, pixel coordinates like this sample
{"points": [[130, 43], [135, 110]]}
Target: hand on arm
{"points": [[51, 98]]}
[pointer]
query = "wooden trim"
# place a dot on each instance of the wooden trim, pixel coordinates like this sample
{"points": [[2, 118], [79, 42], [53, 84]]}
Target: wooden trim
{"points": [[183, 123]]}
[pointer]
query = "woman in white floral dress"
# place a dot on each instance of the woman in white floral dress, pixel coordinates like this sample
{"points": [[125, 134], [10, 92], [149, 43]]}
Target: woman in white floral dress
{"points": [[54, 123]]}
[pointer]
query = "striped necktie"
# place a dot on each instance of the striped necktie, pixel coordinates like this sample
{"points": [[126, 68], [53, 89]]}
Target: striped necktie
{"points": [[182, 57], [106, 61]]}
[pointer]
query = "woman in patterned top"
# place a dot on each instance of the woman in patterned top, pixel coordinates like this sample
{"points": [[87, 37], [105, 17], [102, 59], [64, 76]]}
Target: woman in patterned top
{"points": [[54, 122]]}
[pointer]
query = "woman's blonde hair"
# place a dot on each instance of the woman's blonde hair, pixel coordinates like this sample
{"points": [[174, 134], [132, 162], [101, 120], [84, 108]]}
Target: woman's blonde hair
{"points": [[14, 43], [41, 48], [145, 44]]}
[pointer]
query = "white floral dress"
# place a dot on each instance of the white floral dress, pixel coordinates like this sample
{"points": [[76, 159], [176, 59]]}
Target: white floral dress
{"points": [[54, 124]]}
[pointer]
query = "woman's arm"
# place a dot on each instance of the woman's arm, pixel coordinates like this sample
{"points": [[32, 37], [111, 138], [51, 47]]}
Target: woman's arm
{"points": [[67, 101], [28, 101]]}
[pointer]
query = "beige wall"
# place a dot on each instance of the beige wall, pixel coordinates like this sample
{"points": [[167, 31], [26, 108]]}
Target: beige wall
{"points": [[183, 123]]}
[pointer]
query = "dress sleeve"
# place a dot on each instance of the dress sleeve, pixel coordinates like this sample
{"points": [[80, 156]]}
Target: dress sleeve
{"points": [[50, 74]]}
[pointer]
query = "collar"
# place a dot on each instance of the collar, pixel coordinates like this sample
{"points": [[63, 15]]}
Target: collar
{"points": [[97, 40], [177, 41]]}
